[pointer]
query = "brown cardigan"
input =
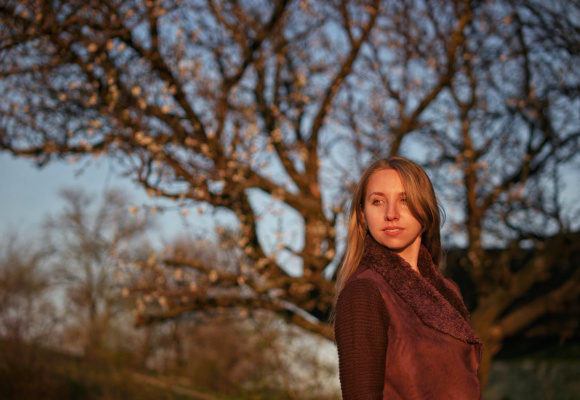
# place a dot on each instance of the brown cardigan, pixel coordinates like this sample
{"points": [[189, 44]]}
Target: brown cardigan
{"points": [[401, 335]]}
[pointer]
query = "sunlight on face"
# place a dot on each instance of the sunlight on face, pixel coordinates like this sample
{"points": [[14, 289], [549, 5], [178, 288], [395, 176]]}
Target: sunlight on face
{"points": [[387, 215]]}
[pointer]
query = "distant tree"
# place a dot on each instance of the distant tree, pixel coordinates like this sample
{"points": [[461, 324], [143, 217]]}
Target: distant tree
{"points": [[91, 246], [28, 320], [27, 313], [253, 107]]}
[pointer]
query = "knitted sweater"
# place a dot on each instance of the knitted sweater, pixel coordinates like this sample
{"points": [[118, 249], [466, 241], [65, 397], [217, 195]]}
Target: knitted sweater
{"points": [[404, 335]]}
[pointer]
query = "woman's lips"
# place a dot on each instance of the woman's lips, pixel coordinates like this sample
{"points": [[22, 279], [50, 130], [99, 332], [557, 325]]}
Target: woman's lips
{"points": [[393, 231]]}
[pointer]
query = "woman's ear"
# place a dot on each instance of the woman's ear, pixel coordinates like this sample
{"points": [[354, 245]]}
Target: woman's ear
{"points": [[363, 221]]}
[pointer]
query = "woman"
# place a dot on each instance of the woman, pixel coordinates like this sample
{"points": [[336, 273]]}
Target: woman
{"points": [[401, 328]]}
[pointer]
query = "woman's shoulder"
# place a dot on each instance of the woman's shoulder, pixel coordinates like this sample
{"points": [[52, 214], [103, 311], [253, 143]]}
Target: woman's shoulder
{"points": [[361, 300], [362, 286], [453, 286], [362, 281], [364, 273]]}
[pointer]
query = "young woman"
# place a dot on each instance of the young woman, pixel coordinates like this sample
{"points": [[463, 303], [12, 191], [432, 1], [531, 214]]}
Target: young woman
{"points": [[401, 328]]}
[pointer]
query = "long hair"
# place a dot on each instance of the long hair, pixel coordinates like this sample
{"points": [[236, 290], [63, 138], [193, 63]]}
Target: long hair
{"points": [[422, 203]]}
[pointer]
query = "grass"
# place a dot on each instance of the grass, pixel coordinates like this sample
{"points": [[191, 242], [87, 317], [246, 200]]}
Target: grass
{"points": [[32, 372]]}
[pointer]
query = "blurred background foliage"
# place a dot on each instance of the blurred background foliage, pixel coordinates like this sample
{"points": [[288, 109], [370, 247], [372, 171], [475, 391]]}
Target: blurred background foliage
{"points": [[67, 323]]}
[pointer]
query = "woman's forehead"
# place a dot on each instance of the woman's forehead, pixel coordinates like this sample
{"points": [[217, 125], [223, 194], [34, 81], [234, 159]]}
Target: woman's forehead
{"points": [[385, 181]]}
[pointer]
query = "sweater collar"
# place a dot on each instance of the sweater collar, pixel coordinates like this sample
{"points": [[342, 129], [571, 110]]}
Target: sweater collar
{"points": [[434, 302]]}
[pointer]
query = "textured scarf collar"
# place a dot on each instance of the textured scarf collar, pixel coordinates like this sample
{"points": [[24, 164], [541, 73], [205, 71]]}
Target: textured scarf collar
{"points": [[434, 303]]}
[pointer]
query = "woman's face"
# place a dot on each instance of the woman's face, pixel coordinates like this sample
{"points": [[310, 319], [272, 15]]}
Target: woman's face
{"points": [[388, 217]]}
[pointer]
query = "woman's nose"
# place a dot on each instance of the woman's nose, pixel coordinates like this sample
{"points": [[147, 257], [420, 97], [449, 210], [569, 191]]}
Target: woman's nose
{"points": [[391, 213]]}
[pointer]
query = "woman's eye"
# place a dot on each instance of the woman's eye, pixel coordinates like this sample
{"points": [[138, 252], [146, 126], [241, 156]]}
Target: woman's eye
{"points": [[404, 199], [375, 201]]}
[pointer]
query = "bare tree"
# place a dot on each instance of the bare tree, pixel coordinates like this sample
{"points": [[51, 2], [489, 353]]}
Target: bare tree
{"points": [[506, 130], [27, 313], [252, 107], [91, 247], [28, 320]]}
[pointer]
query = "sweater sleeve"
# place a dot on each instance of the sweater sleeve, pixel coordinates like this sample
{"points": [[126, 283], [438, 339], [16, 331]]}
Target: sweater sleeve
{"points": [[361, 324]]}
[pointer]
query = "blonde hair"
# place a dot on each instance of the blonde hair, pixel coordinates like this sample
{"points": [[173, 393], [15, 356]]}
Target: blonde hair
{"points": [[422, 203]]}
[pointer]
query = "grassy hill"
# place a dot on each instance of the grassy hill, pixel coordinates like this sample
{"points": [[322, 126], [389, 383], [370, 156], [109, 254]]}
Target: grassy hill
{"points": [[31, 372]]}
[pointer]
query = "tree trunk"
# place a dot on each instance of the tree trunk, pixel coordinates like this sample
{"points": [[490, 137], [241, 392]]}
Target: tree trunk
{"points": [[490, 349]]}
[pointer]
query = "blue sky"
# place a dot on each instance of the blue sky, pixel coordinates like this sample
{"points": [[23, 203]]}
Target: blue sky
{"points": [[29, 194]]}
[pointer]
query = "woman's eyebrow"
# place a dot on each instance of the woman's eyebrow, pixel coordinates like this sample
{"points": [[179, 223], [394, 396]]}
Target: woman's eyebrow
{"points": [[382, 194]]}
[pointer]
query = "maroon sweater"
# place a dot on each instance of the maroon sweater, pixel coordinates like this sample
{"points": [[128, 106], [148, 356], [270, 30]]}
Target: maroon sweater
{"points": [[404, 335]]}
